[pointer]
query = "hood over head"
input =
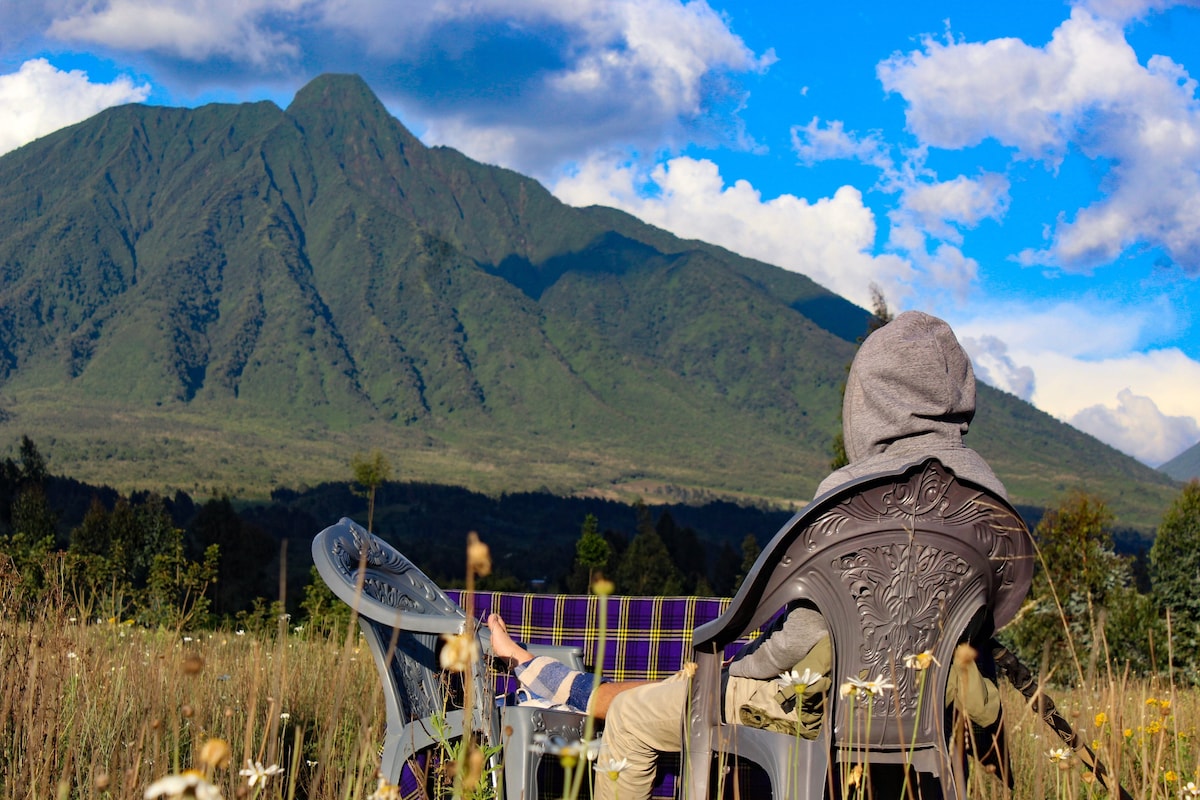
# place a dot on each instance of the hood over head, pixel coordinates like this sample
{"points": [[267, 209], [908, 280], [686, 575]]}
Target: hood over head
{"points": [[911, 380], [910, 395]]}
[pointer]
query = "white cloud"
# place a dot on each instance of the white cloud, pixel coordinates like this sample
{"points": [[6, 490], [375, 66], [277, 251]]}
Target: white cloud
{"points": [[240, 30], [633, 73], [1125, 11], [927, 209], [829, 240], [548, 80], [1085, 90], [962, 201], [1084, 367], [816, 142], [1088, 330], [995, 367], [1137, 426], [39, 99]]}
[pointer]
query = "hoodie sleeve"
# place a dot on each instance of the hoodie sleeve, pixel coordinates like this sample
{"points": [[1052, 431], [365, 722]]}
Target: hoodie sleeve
{"points": [[780, 648]]}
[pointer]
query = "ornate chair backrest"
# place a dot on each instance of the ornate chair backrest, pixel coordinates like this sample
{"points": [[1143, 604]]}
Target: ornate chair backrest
{"points": [[403, 615], [898, 564]]}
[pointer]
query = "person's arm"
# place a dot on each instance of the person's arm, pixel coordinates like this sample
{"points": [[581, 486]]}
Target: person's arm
{"points": [[780, 647]]}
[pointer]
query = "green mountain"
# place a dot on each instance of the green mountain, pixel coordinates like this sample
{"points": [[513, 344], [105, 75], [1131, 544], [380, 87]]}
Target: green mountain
{"points": [[242, 296], [1185, 466]]}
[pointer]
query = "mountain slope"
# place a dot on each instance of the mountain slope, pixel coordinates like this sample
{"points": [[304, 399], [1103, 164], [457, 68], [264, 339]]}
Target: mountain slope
{"points": [[1185, 466], [244, 295]]}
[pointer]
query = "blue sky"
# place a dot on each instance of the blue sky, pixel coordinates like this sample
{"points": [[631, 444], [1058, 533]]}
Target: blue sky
{"points": [[1029, 171]]}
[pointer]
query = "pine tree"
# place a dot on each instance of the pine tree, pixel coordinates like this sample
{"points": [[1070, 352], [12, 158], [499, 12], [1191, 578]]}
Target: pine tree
{"points": [[370, 472], [592, 552], [647, 567], [1175, 571]]}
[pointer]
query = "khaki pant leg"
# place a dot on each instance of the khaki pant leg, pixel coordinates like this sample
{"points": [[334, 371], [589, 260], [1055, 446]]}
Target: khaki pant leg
{"points": [[640, 723]]}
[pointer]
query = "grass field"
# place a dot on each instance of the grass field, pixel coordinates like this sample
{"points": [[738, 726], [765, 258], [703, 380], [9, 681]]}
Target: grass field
{"points": [[100, 709]]}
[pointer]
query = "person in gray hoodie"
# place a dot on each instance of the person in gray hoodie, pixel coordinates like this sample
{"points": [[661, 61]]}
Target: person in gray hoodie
{"points": [[910, 395]]}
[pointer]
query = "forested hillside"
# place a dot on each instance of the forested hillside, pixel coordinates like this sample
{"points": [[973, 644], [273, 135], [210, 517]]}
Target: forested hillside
{"points": [[239, 297]]}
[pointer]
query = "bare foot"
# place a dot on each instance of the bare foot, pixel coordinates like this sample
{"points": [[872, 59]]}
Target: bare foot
{"points": [[503, 645]]}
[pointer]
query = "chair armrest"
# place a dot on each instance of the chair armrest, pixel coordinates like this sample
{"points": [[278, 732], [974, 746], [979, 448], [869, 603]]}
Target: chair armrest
{"points": [[568, 654]]}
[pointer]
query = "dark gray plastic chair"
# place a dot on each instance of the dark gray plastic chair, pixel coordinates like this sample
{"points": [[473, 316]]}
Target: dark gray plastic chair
{"points": [[898, 564], [403, 615]]}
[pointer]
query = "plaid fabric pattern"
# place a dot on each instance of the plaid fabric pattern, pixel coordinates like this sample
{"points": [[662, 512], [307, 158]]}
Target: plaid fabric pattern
{"points": [[649, 638]]}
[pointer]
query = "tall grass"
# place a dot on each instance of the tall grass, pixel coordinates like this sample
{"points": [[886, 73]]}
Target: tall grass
{"points": [[92, 708], [101, 708]]}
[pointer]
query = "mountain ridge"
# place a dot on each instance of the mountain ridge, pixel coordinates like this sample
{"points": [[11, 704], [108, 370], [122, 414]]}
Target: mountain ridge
{"points": [[247, 294]]}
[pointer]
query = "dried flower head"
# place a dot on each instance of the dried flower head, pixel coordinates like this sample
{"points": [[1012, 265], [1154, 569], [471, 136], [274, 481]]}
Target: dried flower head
{"points": [[459, 652], [192, 664], [215, 753], [479, 558], [964, 655]]}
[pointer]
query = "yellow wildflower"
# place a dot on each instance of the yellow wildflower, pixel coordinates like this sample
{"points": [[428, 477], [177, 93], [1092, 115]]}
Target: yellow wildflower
{"points": [[1101, 719]]}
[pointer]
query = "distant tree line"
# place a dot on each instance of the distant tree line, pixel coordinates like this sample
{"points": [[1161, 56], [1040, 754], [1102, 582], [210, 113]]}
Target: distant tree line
{"points": [[171, 560], [158, 561]]}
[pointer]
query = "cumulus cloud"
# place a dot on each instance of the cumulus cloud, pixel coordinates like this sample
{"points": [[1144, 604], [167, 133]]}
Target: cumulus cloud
{"points": [[1137, 426], [939, 206], [927, 222], [238, 30], [995, 367], [831, 239], [1085, 91], [1078, 358], [38, 99]]}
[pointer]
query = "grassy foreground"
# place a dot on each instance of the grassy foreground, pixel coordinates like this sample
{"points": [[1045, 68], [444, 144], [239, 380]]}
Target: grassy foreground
{"points": [[100, 709]]}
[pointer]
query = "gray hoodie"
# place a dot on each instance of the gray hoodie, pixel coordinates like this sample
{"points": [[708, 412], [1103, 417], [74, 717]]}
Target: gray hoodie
{"points": [[910, 395]]}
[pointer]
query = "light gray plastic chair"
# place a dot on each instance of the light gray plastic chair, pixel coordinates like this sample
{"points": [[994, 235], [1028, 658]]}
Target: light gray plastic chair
{"points": [[403, 616], [898, 564]]}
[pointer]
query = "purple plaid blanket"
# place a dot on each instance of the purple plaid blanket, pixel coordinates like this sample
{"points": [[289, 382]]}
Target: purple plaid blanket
{"points": [[648, 638]]}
